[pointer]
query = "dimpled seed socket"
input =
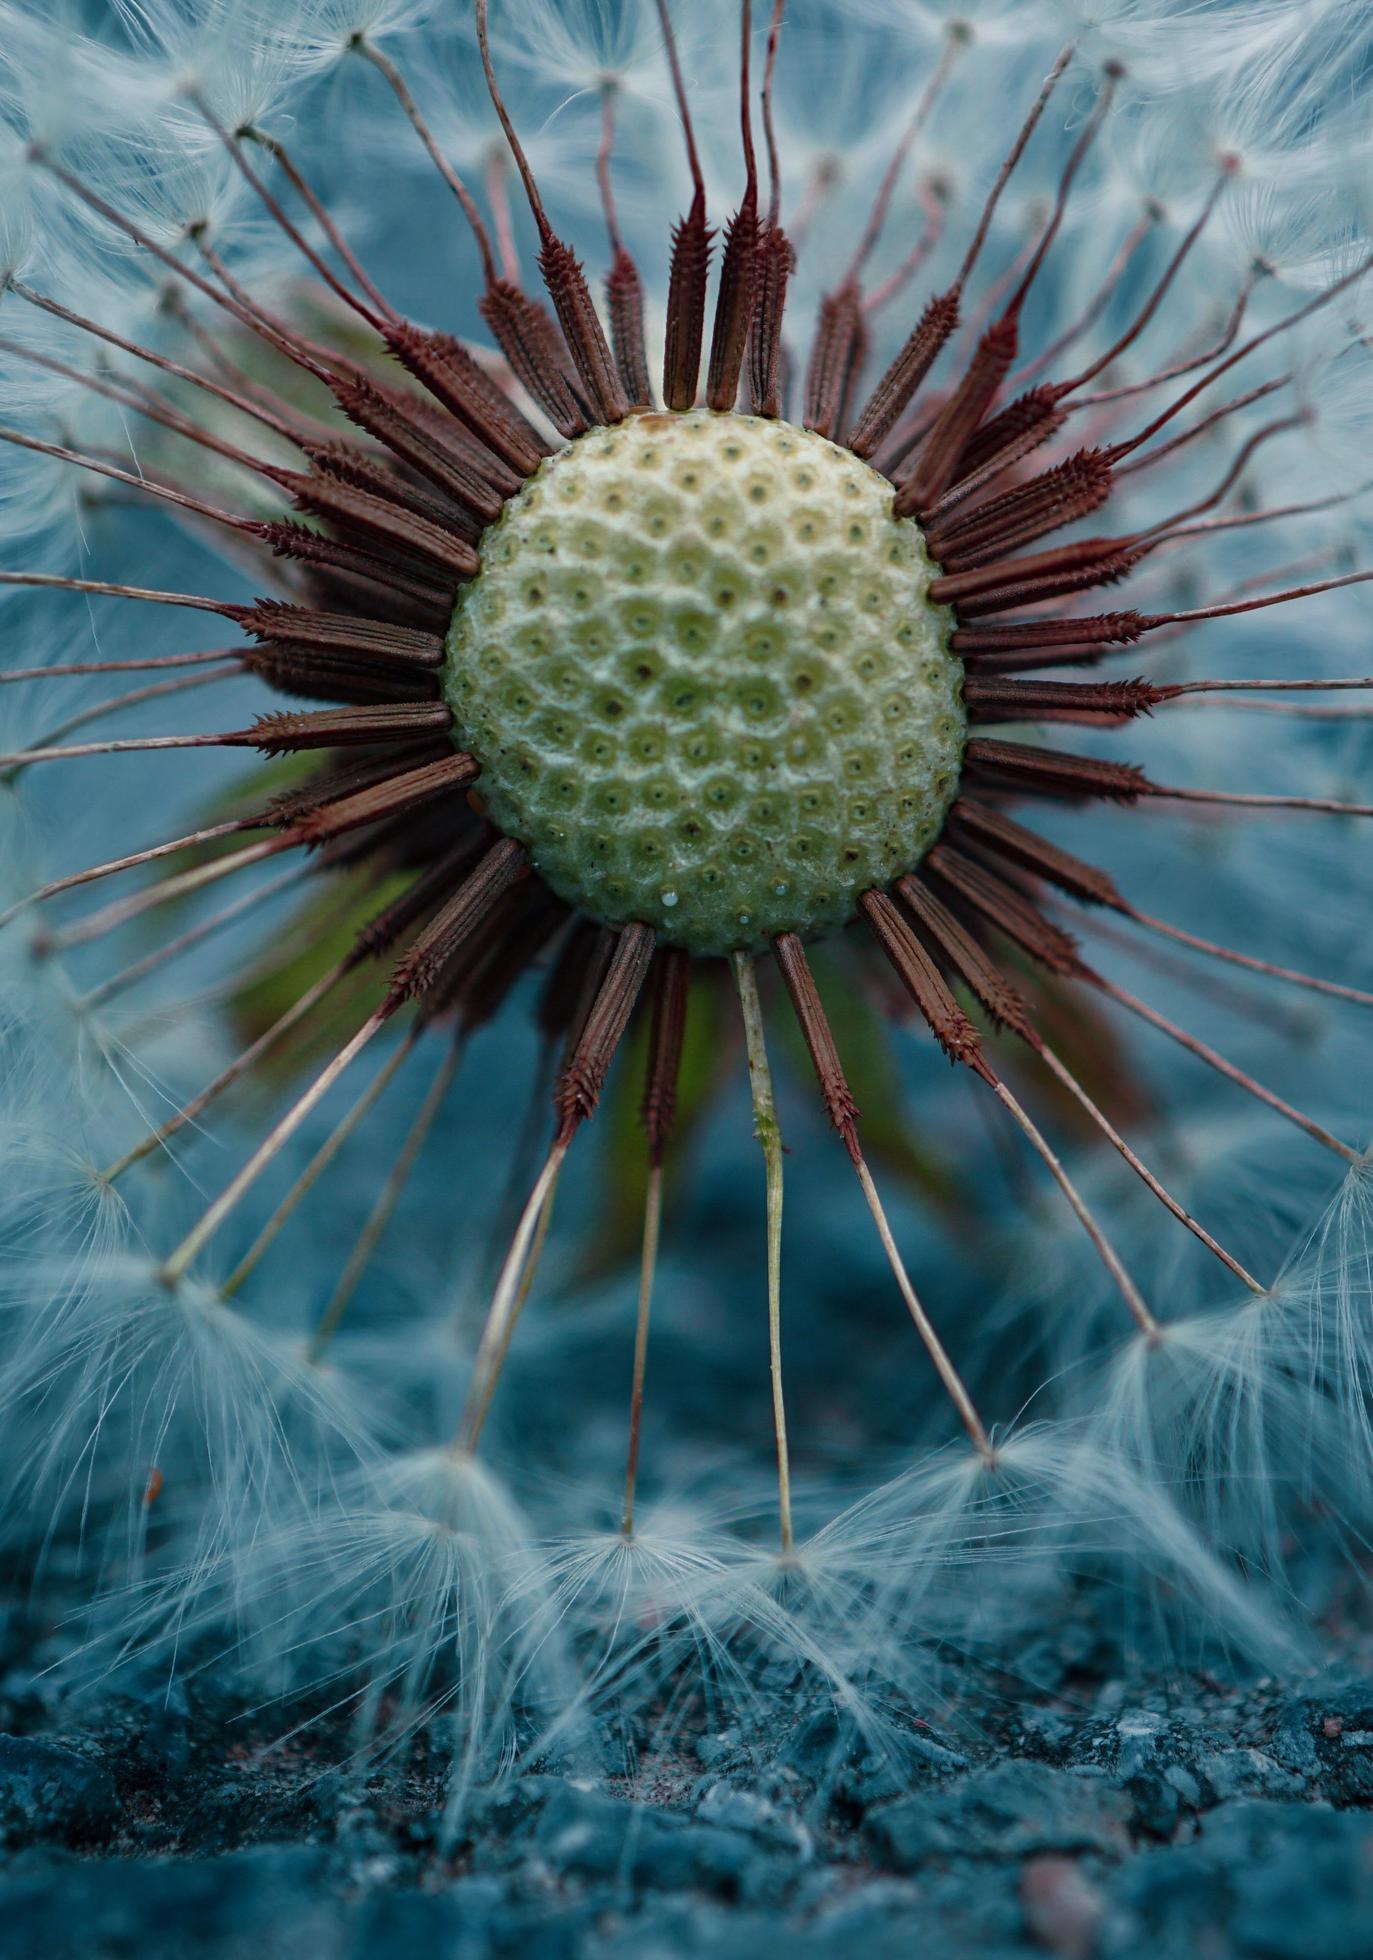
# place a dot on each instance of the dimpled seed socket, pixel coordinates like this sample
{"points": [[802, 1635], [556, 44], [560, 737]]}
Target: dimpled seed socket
{"points": [[703, 680]]}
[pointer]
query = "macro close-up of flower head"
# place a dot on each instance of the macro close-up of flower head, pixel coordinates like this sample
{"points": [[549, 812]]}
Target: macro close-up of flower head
{"points": [[685, 854]]}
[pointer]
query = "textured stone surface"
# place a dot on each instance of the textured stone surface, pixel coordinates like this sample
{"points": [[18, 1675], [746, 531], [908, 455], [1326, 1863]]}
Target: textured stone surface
{"points": [[1009, 1811], [703, 679], [48, 1790], [1117, 1814]]}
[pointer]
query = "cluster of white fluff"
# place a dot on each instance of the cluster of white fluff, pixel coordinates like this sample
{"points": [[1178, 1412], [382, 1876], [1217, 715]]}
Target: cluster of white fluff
{"points": [[309, 1516]]}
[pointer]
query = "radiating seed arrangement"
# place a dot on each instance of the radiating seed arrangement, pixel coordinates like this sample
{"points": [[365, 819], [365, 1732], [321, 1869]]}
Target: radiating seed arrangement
{"points": [[647, 675]]}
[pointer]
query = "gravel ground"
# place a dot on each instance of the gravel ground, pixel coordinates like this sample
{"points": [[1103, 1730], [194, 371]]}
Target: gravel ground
{"points": [[1102, 1816]]}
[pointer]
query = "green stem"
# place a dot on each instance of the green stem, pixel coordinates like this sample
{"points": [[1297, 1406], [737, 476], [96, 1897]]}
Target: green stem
{"points": [[769, 1134]]}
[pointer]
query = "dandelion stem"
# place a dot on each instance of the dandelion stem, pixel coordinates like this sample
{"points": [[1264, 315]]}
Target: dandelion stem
{"points": [[238, 306], [1101, 109], [385, 66], [511, 1292], [508, 127], [1268, 968], [167, 889], [611, 992], [502, 218], [1250, 346], [623, 287], [59, 582], [843, 1112], [257, 399], [683, 105], [1075, 1088], [1190, 435], [1171, 526], [667, 1032], [769, 124], [279, 216], [71, 669], [1252, 800], [1017, 150], [768, 1132], [1110, 284], [241, 1063], [1188, 364], [1176, 688], [310, 355], [277, 150], [653, 1213], [320, 1163], [1110, 1258], [239, 400], [387, 1199], [524, 1153], [117, 704], [194, 935], [691, 248], [531, 1268], [954, 43], [605, 151], [1218, 1062], [211, 835], [126, 745], [276, 1139], [1157, 295], [932, 204], [136, 396], [948, 1374], [1290, 710]]}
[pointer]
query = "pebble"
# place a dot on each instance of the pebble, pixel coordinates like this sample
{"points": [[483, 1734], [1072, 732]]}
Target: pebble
{"points": [[1010, 1811], [47, 1791], [1063, 1908]]}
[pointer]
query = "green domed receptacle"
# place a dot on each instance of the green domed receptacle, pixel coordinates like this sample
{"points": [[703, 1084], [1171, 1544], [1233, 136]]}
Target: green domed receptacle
{"points": [[704, 682]]}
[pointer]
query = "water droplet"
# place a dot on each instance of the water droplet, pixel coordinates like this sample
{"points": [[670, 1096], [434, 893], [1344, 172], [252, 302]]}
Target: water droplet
{"points": [[669, 899]]}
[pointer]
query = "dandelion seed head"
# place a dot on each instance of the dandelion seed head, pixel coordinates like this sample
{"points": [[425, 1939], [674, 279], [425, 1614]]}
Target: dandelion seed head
{"points": [[1098, 364]]}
